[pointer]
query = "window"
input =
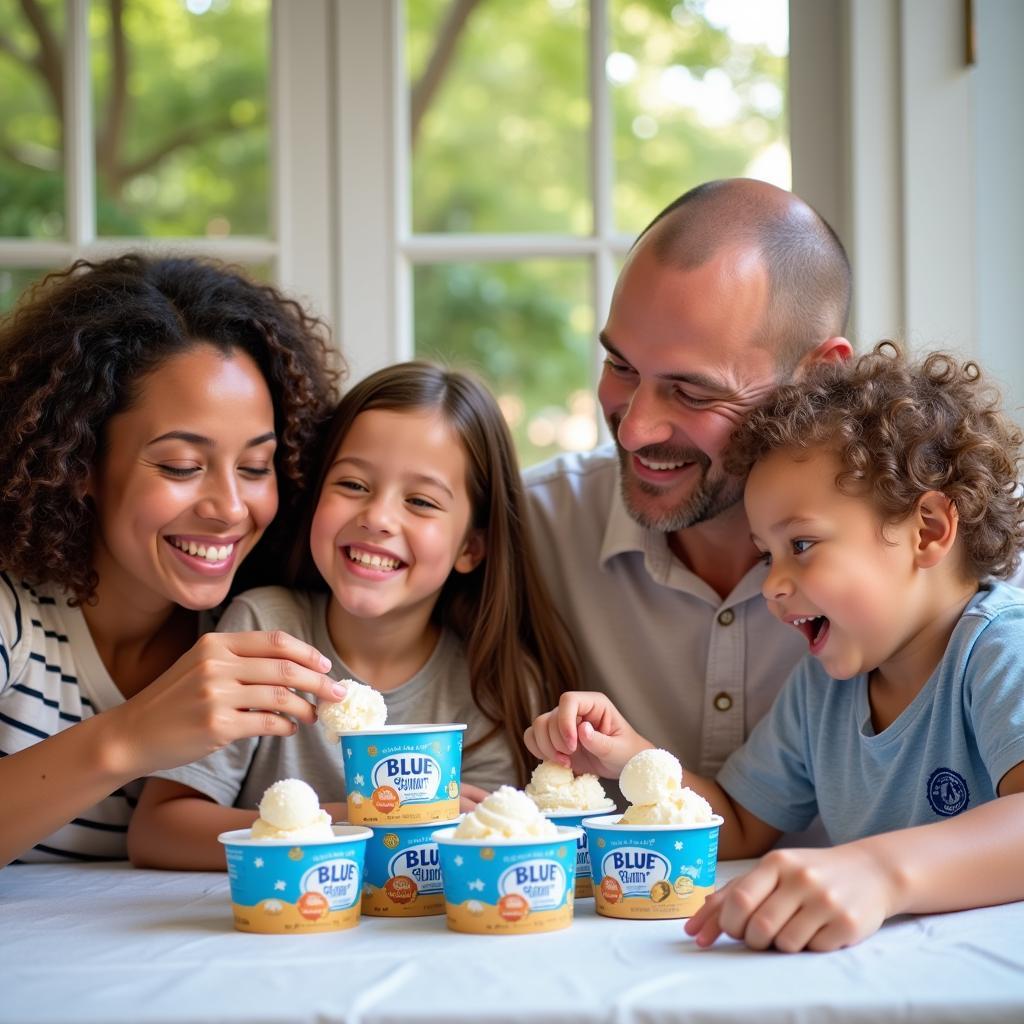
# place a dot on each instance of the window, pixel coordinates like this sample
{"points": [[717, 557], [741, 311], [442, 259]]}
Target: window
{"points": [[540, 137]]}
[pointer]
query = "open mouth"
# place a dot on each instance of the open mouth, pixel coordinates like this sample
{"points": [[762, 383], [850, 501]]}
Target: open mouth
{"points": [[209, 553], [815, 628], [373, 560]]}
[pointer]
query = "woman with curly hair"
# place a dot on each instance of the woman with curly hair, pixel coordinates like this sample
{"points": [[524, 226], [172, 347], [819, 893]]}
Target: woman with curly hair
{"points": [[157, 413], [883, 496]]}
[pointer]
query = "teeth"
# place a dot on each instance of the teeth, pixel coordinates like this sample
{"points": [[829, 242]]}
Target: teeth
{"points": [[373, 561], [805, 618], [213, 553], [660, 465]]}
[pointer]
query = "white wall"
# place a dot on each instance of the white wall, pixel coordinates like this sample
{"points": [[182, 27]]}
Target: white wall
{"points": [[999, 193]]}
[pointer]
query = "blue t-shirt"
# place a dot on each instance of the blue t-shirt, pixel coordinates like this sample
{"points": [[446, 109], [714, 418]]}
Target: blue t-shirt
{"points": [[816, 751]]}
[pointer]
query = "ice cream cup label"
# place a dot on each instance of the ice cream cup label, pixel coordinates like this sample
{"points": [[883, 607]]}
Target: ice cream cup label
{"points": [[508, 886], [584, 888], [403, 873], [651, 872], [279, 887], [403, 775]]}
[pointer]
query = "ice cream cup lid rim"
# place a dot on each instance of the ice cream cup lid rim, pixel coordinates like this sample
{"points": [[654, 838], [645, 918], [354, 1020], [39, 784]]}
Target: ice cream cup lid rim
{"points": [[565, 832], [606, 808], [243, 837], [390, 730], [603, 822]]}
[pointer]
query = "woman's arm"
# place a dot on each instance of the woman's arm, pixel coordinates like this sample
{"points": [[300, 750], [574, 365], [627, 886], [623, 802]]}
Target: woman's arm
{"points": [[229, 685]]}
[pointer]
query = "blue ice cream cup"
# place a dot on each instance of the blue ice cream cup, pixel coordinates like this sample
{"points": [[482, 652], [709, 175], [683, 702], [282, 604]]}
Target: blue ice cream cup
{"points": [[584, 886], [508, 886], [403, 774], [284, 887], [651, 872], [403, 872]]}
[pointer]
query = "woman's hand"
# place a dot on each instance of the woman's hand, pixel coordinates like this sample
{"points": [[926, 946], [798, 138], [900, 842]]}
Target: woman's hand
{"points": [[228, 686]]}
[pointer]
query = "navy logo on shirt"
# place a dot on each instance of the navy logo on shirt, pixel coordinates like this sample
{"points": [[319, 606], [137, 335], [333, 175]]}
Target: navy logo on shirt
{"points": [[947, 792]]}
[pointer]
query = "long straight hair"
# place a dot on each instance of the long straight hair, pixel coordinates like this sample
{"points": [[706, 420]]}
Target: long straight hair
{"points": [[518, 650]]}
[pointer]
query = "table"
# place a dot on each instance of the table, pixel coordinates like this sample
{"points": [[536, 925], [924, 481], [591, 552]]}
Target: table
{"points": [[108, 944]]}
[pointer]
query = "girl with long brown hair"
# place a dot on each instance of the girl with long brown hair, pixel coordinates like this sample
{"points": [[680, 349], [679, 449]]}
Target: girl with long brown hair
{"points": [[419, 578]]}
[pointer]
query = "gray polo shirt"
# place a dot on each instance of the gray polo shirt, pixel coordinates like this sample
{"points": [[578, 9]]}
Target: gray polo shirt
{"points": [[692, 672]]}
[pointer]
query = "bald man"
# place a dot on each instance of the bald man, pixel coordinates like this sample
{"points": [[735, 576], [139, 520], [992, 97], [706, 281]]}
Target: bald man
{"points": [[735, 287]]}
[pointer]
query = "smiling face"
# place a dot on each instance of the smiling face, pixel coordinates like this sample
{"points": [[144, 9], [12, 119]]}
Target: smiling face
{"points": [[185, 486], [836, 574], [683, 366], [394, 515]]}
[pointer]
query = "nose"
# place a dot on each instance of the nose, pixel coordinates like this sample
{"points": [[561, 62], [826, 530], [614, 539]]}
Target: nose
{"points": [[777, 585], [222, 499], [377, 515], [645, 421]]}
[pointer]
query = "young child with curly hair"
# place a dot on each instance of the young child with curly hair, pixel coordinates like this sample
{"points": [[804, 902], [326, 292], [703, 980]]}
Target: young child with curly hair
{"points": [[156, 412], [884, 497]]}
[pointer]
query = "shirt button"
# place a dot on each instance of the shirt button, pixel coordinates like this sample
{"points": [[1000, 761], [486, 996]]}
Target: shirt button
{"points": [[726, 618], [723, 702]]}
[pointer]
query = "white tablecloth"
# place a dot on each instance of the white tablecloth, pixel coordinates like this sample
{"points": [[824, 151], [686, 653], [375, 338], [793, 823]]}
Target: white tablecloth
{"points": [[108, 944]]}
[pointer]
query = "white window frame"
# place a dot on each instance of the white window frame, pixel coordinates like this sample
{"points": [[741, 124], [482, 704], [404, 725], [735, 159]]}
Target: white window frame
{"points": [[301, 240]]}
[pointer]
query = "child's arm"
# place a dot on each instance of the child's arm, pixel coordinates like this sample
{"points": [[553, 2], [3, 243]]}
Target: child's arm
{"points": [[587, 733], [175, 827], [827, 899]]}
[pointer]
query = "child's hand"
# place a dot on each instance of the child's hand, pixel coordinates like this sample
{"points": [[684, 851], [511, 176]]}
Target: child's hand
{"points": [[585, 732], [799, 899], [470, 796]]}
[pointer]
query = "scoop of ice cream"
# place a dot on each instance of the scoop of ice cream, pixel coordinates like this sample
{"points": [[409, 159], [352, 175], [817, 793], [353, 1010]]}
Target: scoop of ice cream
{"points": [[506, 813], [362, 708], [290, 809], [554, 788], [652, 782], [685, 808], [650, 776]]}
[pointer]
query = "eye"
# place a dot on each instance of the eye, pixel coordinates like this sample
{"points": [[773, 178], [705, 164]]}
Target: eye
{"points": [[424, 503], [256, 471], [620, 368], [352, 485], [764, 557], [179, 472], [801, 546], [693, 401]]}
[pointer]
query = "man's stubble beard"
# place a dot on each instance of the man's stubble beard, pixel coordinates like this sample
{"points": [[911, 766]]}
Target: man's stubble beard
{"points": [[710, 497]]}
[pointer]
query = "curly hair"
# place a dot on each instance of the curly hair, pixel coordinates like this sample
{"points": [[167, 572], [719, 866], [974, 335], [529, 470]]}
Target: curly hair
{"points": [[900, 429], [73, 354], [519, 652]]}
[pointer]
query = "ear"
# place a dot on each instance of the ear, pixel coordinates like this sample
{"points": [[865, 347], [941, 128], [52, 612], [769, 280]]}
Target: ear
{"points": [[831, 350], [935, 529], [472, 554]]}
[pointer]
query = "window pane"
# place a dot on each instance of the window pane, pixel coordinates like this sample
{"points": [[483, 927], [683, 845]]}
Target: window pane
{"points": [[698, 92], [181, 123], [527, 329], [14, 281], [31, 144], [500, 113]]}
